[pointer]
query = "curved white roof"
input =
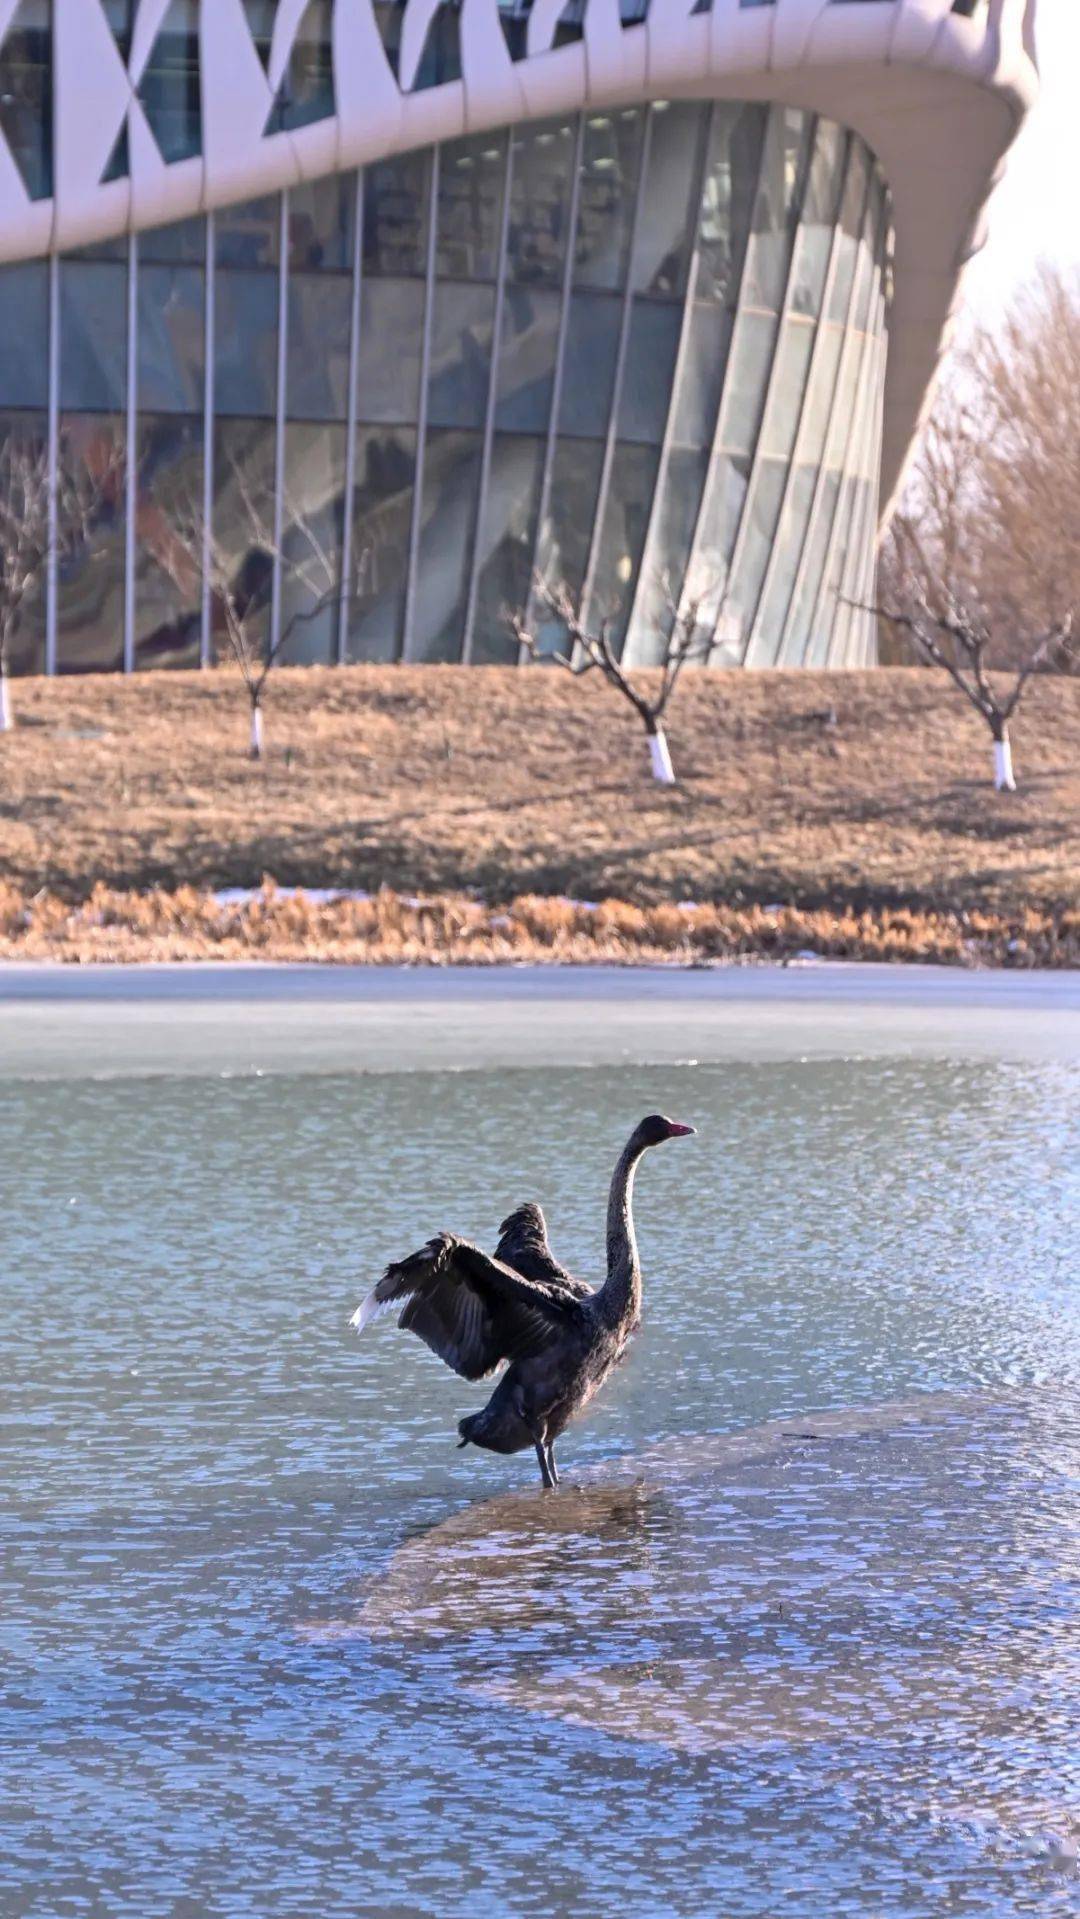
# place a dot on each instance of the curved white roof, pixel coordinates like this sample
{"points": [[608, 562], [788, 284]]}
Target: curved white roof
{"points": [[937, 94]]}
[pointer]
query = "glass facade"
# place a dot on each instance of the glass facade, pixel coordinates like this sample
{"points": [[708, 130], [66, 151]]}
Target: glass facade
{"points": [[639, 352]]}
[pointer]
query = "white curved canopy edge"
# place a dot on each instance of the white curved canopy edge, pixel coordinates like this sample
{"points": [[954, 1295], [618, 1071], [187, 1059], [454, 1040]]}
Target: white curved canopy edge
{"points": [[937, 96]]}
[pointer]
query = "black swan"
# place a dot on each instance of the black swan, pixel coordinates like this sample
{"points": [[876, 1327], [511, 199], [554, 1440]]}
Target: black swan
{"points": [[560, 1339]]}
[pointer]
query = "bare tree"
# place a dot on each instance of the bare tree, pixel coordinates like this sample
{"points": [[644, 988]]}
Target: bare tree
{"points": [[980, 566], [241, 552], [589, 647], [28, 526]]}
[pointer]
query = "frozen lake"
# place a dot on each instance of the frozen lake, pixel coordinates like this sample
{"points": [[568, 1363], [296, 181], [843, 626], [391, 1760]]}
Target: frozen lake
{"points": [[800, 1631]]}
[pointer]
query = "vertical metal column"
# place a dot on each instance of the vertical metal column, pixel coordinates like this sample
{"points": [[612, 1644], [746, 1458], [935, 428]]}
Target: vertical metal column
{"points": [[558, 372], [206, 637], [422, 408], [492, 401], [350, 426], [51, 576], [675, 396], [131, 477], [608, 460], [279, 424]]}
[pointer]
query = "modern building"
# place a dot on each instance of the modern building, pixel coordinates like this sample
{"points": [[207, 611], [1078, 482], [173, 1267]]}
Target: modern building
{"points": [[389, 311]]}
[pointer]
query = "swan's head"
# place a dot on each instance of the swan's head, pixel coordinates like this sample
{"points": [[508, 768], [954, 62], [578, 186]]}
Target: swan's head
{"points": [[654, 1130]]}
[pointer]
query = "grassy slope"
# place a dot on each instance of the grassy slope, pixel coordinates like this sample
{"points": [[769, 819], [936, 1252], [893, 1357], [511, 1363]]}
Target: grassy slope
{"points": [[446, 778]]}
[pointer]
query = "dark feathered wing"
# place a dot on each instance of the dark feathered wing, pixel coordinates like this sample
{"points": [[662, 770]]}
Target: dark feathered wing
{"points": [[524, 1246], [473, 1311]]}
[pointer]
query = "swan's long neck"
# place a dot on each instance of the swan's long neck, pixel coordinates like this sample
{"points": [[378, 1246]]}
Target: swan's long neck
{"points": [[620, 1295]]}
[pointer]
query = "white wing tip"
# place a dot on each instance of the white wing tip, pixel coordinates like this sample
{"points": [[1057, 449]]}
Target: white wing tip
{"points": [[365, 1311]]}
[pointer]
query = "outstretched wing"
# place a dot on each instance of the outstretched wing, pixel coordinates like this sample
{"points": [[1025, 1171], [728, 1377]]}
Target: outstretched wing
{"points": [[470, 1309], [524, 1246]]}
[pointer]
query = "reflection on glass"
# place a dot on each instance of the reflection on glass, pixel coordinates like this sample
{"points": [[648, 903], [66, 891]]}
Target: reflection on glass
{"points": [[847, 245], [507, 539], [168, 514], [471, 176], [727, 199], [90, 559], [760, 520], [622, 538], [382, 519], [748, 380], [24, 329], [787, 387], [321, 218], [768, 648], [391, 329], [306, 93], [181, 243], [566, 529], [776, 209], [451, 480], [170, 338], [23, 444], [676, 518], [26, 94], [170, 89], [669, 208], [651, 348], [242, 543], [697, 403], [313, 522], [818, 219], [440, 61], [460, 354], [93, 335], [609, 175], [246, 344], [317, 346], [540, 201], [249, 235], [397, 206], [530, 331], [592, 345], [805, 640]]}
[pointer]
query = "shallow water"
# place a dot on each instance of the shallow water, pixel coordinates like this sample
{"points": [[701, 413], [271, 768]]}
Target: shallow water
{"points": [[800, 1631]]}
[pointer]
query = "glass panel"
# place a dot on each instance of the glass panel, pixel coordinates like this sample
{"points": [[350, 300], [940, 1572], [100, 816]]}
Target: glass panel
{"points": [[610, 162], [762, 515], [851, 213], [800, 642], [90, 563], [507, 538], [26, 95], [676, 517], [397, 196], [246, 344], [592, 344], [320, 326], [171, 338], [567, 529], [540, 201], [530, 329], [815, 420], [451, 480], [727, 200], [307, 90], [461, 327], [626, 519], [721, 515], [249, 235], [181, 243], [787, 386], [775, 208], [168, 515], [819, 216], [651, 350], [93, 336], [704, 366], [391, 328], [768, 641], [669, 209], [314, 516], [471, 176], [170, 89], [382, 519], [747, 381], [440, 61], [244, 452], [24, 441], [24, 329], [321, 223]]}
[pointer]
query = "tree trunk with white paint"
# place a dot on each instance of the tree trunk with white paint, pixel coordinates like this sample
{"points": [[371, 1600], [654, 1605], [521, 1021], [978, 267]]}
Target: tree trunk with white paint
{"points": [[6, 718], [660, 756], [1004, 781], [256, 749]]}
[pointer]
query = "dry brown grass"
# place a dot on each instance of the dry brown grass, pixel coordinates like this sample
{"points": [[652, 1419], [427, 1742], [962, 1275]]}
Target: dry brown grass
{"points": [[447, 780], [452, 929]]}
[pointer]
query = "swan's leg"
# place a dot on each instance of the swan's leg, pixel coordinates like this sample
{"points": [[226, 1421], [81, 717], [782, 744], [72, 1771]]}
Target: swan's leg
{"points": [[550, 1482], [552, 1468]]}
